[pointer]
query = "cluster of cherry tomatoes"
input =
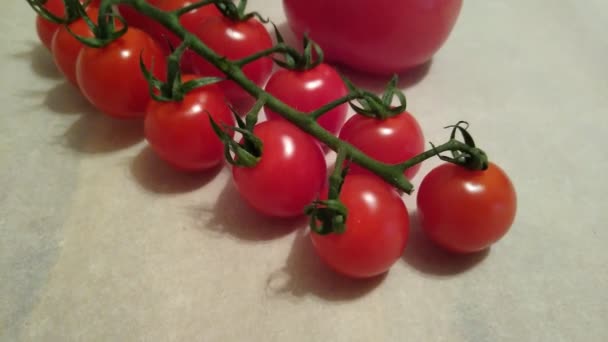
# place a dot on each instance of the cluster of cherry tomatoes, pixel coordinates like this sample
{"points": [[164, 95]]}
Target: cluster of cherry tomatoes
{"points": [[460, 209]]}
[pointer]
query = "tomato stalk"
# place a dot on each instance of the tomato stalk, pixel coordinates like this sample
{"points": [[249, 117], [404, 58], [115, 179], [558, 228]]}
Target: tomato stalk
{"points": [[237, 12], [173, 89], [247, 153], [332, 213], [295, 61], [71, 12], [281, 48], [465, 153]]}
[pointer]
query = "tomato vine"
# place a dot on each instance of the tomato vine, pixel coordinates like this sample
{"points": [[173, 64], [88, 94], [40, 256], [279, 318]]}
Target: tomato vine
{"points": [[464, 153]]}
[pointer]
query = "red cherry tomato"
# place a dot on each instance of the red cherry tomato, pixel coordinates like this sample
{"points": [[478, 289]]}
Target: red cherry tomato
{"points": [[377, 229], [180, 132], [392, 140], [234, 40], [309, 90], [46, 29], [66, 48], [378, 36], [135, 18], [289, 175], [189, 21], [111, 79], [466, 211]]}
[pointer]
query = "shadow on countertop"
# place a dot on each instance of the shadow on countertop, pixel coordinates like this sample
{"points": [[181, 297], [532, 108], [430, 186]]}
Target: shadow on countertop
{"points": [[305, 274], [41, 60], [98, 133], [156, 176], [232, 216], [64, 98], [426, 257]]}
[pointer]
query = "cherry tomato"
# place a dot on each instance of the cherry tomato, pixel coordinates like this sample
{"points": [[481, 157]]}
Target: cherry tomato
{"points": [[66, 48], [289, 175], [377, 229], [466, 211], [392, 140], [309, 90], [189, 21], [111, 79], [378, 36], [234, 40], [180, 132], [135, 18], [46, 29]]}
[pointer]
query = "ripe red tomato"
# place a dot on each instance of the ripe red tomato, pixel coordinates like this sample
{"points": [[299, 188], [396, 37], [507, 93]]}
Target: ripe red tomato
{"points": [[190, 21], [392, 140], [466, 211], [134, 18], [377, 229], [234, 40], [180, 132], [309, 90], [111, 79], [379, 36], [66, 48], [289, 175], [46, 29]]}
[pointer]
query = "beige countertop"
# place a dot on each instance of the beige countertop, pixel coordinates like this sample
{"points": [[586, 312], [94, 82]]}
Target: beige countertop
{"points": [[100, 241]]}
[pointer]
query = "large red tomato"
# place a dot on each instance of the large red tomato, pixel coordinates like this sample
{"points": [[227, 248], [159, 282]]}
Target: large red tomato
{"points": [[377, 229], [111, 79], [378, 36], [463, 210], [289, 175]]}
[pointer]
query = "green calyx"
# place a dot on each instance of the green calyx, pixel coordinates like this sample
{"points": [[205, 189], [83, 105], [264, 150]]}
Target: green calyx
{"points": [[249, 152], [329, 216], [237, 12], [310, 58], [72, 11], [174, 89], [472, 157], [373, 106], [105, 32]]}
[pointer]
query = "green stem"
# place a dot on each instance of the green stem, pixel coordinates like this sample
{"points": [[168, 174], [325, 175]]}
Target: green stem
{"points": [[326, 108], [452, 145], [336, 178], [277, 48]]}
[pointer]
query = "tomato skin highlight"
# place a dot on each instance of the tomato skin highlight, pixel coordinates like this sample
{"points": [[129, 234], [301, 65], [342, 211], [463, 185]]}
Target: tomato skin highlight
{"points": [[234, 40], [379, 36], [377, 229], [180, 132], [392, 140], [111, 79], [466, 211], [308, 90], [290, 174]]}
